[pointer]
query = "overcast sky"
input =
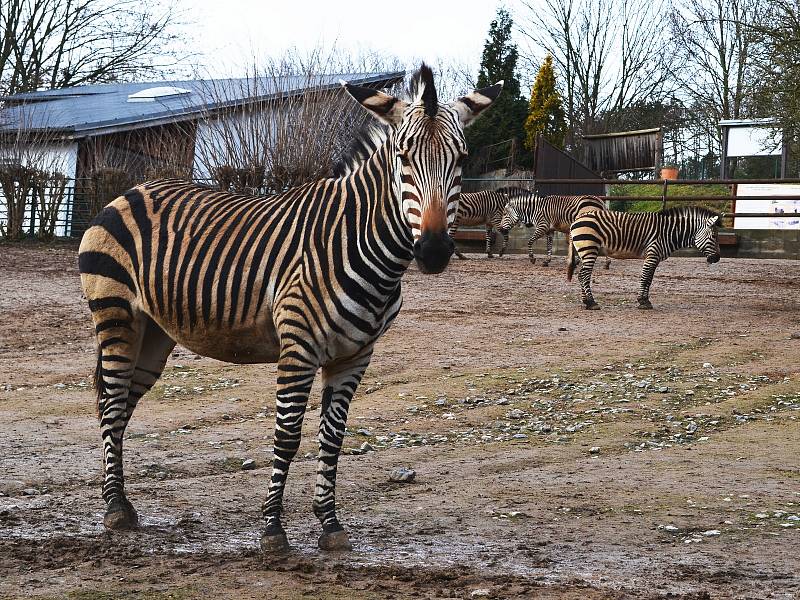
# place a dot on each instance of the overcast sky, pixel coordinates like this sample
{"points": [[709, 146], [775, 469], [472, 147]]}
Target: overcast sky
{"points": [[231, 31]]}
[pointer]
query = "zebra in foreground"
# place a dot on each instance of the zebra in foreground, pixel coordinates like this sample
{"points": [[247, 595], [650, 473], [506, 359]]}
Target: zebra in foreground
{"points": [[546, 215], [651, 235], [480, 208], [309, 278]]}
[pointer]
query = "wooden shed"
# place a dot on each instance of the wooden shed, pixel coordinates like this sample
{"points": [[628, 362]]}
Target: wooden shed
{"points": [[624, 151]]}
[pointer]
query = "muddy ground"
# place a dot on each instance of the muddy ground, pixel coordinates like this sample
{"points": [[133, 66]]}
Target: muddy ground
{"points": [[559, 453]]}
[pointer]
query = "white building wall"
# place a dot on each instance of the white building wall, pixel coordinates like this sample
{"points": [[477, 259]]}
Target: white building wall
{"points": [[61, 157]]}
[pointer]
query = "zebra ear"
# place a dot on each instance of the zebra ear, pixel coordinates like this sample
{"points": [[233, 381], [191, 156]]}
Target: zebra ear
{"points": [[470, 106], [715, 220], [386, 108]]}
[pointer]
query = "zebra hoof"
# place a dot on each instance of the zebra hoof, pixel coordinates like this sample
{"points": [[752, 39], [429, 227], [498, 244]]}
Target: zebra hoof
{"points": [[646, 305], [592, 306], [121, 516], [274, 543], [533, 261], [337, 540], [546, 263]]}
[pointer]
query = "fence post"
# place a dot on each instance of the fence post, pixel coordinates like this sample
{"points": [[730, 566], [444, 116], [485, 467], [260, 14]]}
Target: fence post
{"points": [[32, 230], [664, 194]]}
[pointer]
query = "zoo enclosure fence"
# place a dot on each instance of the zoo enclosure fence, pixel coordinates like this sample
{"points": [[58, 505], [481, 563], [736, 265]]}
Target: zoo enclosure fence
{"points": [[74, 210], [599, 187]]}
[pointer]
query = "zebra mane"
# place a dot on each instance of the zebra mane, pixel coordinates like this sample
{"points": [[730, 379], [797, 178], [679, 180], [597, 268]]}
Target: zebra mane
{"points": [[673, 211], [372, 135], [421, 87], [364, 144], [514, 191]]}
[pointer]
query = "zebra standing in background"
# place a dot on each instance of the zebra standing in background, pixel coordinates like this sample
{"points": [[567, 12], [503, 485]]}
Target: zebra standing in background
{"points": [[545, 215], [652, 235], [480, 208], [309, 278]]}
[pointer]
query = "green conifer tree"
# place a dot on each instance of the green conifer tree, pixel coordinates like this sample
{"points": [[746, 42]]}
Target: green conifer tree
{"points": [[545, 110], [506, 118]]}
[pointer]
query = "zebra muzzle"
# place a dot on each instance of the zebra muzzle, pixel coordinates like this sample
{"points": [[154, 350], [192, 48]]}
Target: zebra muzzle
{"points": [[433, 251], [714, 258]]}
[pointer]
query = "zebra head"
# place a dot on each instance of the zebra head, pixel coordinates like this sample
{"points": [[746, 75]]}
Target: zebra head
{"points": [[427, 141], [510, 217], [706, 239]]}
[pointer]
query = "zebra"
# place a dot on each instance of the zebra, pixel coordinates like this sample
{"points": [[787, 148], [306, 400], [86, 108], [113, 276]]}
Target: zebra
{"points": [[309, 278], [480, 208], [546, 215], [651, 235]]}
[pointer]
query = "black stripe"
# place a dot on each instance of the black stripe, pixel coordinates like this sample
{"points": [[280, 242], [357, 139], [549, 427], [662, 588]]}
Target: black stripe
{"points": [[100, 263]]}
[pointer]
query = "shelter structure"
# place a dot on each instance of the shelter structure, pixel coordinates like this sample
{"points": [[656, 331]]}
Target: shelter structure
{"points": [[552, 163], [162, 127], [72, 122], [625, 151]]}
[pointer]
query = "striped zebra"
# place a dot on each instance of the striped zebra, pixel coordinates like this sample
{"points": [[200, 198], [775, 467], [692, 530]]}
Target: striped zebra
{"points": [[653, 236], [309, 279], [546, 215], [480, 208]]}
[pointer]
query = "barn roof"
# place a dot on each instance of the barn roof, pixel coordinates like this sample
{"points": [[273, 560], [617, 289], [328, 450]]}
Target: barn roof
{"points": [[105, 108]]}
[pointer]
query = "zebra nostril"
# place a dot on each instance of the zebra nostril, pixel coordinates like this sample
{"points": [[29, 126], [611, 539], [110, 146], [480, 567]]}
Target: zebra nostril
{"points": [[417, 248]]}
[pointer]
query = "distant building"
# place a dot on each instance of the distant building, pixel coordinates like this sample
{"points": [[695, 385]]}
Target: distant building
{"points": [[67, 129]]}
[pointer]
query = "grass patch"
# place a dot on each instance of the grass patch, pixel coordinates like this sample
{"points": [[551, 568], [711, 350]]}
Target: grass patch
{"points": [[681, 189]]}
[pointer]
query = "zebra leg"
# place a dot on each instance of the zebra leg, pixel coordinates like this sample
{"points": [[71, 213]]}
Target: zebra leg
{"points": [[154, 351], [119, 338], [585, 278], [504, 233], [531, 256], [490, 239], [339, 384], [648, 270], [452, 234], [549, 249], [295, 375], [537, 233]]}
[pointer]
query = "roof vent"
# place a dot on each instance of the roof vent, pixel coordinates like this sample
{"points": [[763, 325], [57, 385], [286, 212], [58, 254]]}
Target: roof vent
{"points": [[158, 93]]}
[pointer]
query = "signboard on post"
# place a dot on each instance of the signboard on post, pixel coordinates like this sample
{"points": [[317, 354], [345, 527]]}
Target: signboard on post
{"points": [[775, 206]]}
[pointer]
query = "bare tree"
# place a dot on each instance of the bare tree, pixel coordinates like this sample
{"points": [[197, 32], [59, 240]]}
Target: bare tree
{"points": [[610, 54], [778, 67], [292, 132], [719, 46], [61, 43]]}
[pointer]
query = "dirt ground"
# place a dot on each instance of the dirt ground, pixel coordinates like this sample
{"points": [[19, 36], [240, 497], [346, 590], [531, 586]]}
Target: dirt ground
{"points": [[560, 453]]}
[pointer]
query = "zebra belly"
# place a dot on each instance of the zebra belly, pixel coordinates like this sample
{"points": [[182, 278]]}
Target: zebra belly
{"points": [[623, 253], [248, 343]]}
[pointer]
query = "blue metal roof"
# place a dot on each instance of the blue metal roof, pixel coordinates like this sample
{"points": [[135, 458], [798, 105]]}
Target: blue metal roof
{"points": [[95, 109]]}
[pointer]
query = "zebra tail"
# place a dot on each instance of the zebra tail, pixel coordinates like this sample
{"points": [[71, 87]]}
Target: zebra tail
{"points": [[570, 261]]}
